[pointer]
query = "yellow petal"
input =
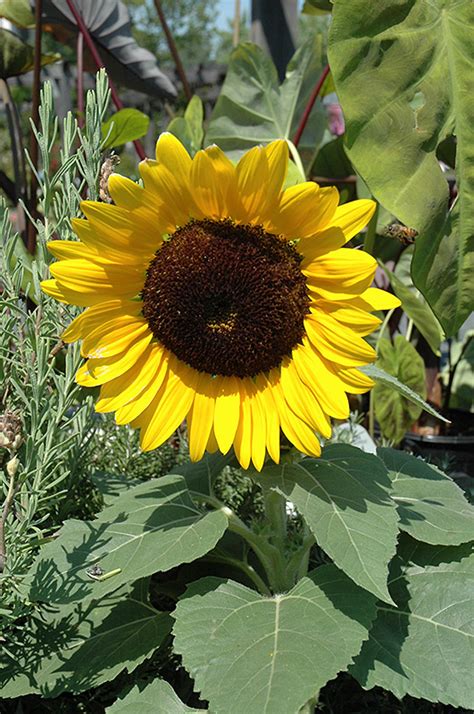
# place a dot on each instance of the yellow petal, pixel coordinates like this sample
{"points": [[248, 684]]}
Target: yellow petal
{"points": [[98, 371], [277, 157], [131, 385], [301, 400], [123, 249], [355, 381], [348, 314], [67, 249], [227, 411], [305, 209], [340, 275], [51, 288], [137, 229], [113, 337], [171, 153], [243, 435], [327, 389], [375, 299], [259, 427], [212, 178], [337, 343], [96, 315], [201, 416], [252, 180], [170, 406], [353, 216], [137, 405], [265, 395], [98, 282], [325, 241], [295, 429]]}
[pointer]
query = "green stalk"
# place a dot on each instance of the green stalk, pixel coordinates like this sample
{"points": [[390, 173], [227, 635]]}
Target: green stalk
{"points": [[369, 240]]}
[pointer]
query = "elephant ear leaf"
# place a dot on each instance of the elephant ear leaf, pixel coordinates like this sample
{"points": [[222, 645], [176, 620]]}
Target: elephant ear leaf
{"points": [[17, 57], [109, 26], [403, 76]]}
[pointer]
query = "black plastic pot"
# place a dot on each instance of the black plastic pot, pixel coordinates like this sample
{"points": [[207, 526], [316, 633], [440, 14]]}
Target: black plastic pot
{"points": [[454, 454]]}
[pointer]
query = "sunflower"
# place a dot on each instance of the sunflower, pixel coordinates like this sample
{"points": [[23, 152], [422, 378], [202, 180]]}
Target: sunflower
{"points": [[217, 296]]}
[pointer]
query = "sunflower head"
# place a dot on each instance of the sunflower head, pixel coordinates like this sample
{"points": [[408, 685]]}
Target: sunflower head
{"points": [[217, 296]]}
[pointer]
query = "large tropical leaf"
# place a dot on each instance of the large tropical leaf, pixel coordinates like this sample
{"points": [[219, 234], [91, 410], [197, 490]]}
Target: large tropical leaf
{"points": [[254, 109], [17, 57], [404, 75], [18, 12], [109, 25]]}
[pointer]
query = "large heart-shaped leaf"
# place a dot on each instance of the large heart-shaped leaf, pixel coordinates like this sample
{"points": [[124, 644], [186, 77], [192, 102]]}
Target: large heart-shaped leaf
{"points": [[344, 498], [75, 647], [431, 507], [109, 25], [394, 413], [254, 109], [403, 73], [424, 647], [17, 57], [151, 527], [270, 655], [157, 697]]}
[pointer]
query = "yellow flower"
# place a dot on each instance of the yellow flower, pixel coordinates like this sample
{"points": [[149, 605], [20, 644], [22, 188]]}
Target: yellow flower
{"points": [[216, 296]]}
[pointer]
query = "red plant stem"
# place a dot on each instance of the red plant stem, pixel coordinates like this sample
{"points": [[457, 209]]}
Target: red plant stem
{"points": [[99, 63], [80, 79], [31, 230], [309, 106], [174, 51]]}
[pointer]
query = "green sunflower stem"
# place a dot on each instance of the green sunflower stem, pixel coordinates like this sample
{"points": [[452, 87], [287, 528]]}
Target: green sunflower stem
{"points": [[277, 521]]}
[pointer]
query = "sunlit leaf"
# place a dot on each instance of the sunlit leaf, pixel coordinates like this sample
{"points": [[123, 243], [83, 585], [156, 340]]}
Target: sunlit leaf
{"points": [[403, 74], [155, 697], [18, 12], [344, 498], [432, 507], [270, 655], [124, 126], [151, 527], [254, 109], [74, 647], [424, 647]]}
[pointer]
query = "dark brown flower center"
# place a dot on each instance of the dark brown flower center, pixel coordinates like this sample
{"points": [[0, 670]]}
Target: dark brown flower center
{"points": [[226, 299]]}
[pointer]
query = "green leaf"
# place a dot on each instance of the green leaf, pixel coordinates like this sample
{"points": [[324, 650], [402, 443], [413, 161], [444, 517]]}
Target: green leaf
{"points": [[270, 655], [152, 527], [189, 129], [317, 7], [253, 109], [200, 475], [431, 506], [379, 375], [124, 126], [110, 486], [344, 497], [414, 304], [424, 648], [16, 57], [403, 74], [18, 12], [75, 647], [462, 361], [394, 413], [331, 160], [157, 697]]}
